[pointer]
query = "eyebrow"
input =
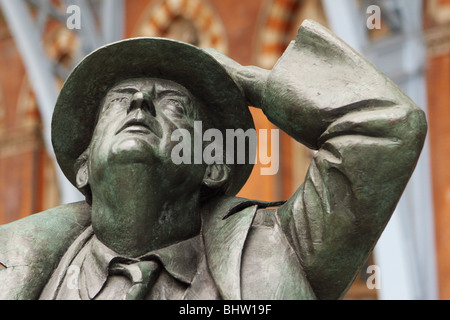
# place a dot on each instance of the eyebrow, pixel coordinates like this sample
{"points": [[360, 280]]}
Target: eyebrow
{"points": [[126, 90], [163, 92], [171, 92]]}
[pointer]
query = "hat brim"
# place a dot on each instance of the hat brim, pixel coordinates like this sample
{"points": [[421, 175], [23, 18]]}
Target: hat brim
{"points": [[75, 115]]}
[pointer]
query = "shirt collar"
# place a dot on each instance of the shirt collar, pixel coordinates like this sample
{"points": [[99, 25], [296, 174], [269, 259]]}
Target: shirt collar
{"points": [[180, 260]]}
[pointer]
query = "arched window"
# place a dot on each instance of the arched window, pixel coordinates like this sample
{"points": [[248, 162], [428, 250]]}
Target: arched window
{"points": [[192, 21], [182, 29]]}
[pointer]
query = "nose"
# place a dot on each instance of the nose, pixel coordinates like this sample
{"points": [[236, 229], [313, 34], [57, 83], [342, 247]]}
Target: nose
{"points": [[142, 101]]}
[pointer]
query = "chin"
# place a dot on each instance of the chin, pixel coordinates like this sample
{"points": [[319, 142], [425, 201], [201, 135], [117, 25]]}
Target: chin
{"points": [[131, 150]]}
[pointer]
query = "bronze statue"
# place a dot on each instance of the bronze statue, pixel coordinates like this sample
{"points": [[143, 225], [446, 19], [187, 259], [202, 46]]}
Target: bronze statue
{"points": [[153, 229]]}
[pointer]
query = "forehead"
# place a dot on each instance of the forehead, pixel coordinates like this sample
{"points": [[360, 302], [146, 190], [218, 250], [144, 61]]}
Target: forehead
{"points": [[150, 84]]}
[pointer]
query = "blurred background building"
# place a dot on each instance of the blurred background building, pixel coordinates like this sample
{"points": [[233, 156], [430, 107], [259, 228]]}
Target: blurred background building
{"points": [[409, 40]]}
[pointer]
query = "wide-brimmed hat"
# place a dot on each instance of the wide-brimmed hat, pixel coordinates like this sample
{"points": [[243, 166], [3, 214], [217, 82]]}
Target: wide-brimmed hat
{"points": [[75, 114]]}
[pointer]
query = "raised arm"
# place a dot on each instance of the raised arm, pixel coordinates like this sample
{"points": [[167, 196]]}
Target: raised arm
{"points": [[367, 135]]}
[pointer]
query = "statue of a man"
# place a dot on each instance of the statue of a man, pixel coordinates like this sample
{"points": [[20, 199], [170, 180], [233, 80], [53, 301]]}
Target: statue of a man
{"points": [[153, 229]]}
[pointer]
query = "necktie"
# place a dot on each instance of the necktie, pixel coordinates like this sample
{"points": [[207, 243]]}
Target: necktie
{"points": [[142, 274]]}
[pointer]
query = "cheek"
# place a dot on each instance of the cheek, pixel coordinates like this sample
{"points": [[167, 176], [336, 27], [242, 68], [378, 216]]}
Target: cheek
{"points": [[107, 126], [100, 145], [194, 170], [169, 126], [99, 139]]}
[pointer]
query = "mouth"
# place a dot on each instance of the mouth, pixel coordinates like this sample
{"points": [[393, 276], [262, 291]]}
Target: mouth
{"points": [[138, 127]]}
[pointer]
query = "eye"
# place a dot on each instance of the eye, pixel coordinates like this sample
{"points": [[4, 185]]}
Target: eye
{"points": [[120, 100], [173, 108]]}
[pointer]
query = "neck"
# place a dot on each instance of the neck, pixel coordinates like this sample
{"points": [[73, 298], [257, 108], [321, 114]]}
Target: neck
{"points": [[135, 215]]}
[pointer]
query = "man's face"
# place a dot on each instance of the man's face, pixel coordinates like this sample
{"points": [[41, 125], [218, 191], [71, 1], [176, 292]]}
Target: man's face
{"points": [[136, 122]]}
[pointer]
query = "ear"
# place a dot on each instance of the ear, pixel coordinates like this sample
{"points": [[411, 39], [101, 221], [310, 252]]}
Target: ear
{"points": [[216, 175], [82, 178]]}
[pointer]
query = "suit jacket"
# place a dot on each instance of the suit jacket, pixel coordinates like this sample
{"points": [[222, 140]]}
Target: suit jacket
{"points": [[32, 248]]}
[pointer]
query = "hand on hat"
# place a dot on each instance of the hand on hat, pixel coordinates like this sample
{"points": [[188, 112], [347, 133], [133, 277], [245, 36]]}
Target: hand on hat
{"points": [[250, 80]]}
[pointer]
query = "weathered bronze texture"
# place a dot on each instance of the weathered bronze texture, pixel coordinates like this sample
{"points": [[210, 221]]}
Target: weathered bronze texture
{"points": [[152, 229]]}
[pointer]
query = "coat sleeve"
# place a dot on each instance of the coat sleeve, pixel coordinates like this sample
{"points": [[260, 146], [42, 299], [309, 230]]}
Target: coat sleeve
{"points": [[367, 136]]}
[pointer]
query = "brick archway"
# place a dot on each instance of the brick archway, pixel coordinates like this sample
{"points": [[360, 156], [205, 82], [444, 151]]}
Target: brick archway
{"points": [[280, 24], [275, 27], [158, 16]]}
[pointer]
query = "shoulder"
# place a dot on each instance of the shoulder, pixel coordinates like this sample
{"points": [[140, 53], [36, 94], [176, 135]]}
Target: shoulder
{"points": [[30, 248], [51, 225], [44, 231]]}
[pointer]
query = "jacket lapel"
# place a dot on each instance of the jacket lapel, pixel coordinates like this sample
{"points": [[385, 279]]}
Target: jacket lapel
{"points": [[226, 223]]}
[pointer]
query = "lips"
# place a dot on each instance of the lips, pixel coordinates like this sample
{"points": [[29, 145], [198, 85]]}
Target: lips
{"points": [[141, 126]]}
